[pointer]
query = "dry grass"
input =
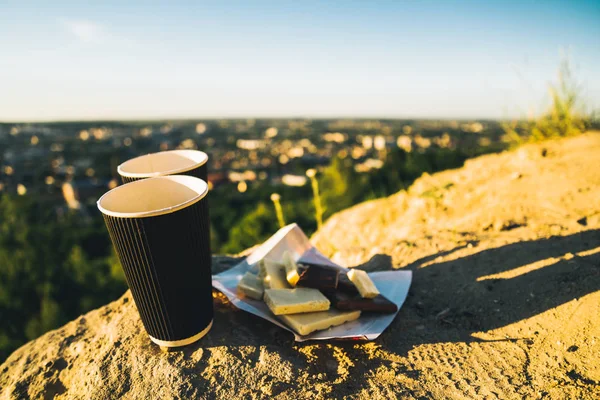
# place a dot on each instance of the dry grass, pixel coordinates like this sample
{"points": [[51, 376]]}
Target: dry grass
{"points": [[566, 116]]}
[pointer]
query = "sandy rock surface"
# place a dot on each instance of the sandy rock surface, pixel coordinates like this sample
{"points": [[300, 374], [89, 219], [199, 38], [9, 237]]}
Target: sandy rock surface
{"points": [[505, 303]]}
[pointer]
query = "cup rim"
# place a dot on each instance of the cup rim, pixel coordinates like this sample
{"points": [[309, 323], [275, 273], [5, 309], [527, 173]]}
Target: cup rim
{"points": [[199, 157], [193, 183]]}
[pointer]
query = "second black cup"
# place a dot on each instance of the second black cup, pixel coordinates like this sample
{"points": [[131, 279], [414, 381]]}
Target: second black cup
{"points": [[173, 162]]}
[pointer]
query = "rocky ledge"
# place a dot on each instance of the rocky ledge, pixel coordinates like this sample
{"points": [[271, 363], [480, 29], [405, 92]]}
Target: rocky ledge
{"points": [[504, 304]]}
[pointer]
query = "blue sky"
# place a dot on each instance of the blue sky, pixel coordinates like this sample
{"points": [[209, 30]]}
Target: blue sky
{"points": [[416, 58]]}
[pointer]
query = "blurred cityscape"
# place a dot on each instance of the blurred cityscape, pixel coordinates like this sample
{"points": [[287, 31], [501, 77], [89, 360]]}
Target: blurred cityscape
{"points": [[56, 260], [72, 164]]}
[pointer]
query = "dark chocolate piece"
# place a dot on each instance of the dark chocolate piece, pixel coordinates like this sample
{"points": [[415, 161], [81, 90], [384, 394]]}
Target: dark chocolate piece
{"points": [[325, 279], [346, 302], [345, 285]]}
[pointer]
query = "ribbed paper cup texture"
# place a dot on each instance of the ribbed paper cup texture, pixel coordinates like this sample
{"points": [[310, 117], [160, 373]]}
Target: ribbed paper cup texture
{"points": [[160, 230], [174, 162]]}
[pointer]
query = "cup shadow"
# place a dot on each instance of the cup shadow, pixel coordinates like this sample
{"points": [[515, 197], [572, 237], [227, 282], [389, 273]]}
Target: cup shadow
{"points": [[233, 327]]}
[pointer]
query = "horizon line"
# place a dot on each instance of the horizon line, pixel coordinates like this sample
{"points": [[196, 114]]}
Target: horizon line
{"points": [[242, 117]]}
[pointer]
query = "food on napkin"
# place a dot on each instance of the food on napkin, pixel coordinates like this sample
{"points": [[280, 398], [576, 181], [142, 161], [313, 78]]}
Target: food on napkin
{"points": [[294, 301], [251, 286], [301, 296], [363, 283], [307, 323]]}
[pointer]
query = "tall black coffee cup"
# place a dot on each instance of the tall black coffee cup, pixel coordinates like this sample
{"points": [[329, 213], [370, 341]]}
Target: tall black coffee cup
{"points": [[160, 230]]}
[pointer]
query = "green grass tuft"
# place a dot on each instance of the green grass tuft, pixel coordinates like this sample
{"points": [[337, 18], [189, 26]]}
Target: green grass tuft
{"points": [[565, 117]]}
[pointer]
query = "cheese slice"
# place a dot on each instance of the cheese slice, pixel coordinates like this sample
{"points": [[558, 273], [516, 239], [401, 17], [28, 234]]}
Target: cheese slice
{"points": [[273, 275], [291, 268], [294, 301], [363, 283], [307, 323], [251, 286]]}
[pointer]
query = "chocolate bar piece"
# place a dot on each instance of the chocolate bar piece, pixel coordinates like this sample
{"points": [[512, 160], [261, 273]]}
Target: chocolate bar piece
{"points": [[363, 283], [315, 321], [346, 286], [273, 275], [295, 301], [251, 286], [348, 302], [322, 278]]}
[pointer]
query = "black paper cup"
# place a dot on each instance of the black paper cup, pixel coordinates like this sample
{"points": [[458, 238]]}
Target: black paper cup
{"points": [[160, 230], [174, 162]]}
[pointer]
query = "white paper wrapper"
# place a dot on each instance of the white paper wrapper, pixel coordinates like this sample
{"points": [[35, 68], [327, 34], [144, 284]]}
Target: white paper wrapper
{"points": [[392, 284]]}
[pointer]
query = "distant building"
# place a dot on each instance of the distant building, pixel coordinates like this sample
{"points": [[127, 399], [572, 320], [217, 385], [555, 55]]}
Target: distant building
{"points": [[187, 144], [250, 144], [368, 165], [422, 142], [271, 132], [295, 152], [443, 141], [146, 132], [83, 191], [475, 127], [335, 137], [405, 143], [379, 142], [217, 178], [293, 180], [70, 196], [200, 128], [242, 176]]}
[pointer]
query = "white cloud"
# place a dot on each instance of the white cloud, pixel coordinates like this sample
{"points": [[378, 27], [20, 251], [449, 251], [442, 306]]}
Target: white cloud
{"points": [[85, 30]]}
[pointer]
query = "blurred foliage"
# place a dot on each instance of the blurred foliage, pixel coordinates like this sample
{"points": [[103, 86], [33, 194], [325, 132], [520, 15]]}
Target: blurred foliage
{"points": [[314, 183], [565, 117], [340, 186], [50, 270], [276, 199], [252, 227]]}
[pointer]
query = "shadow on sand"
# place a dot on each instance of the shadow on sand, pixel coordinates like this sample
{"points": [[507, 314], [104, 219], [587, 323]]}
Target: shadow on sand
{"points": [[448, 301]]}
